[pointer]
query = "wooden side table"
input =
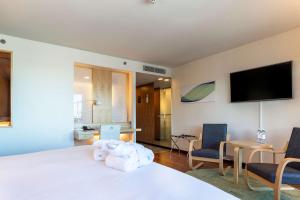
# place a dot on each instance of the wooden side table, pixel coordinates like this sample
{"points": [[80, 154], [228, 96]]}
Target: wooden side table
{"points": [[238, 147]]}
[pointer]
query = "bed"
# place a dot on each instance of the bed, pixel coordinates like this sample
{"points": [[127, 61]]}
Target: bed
{"points": [[72, 174]]}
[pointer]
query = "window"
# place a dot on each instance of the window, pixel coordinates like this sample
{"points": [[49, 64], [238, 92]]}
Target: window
{"points": [[119, 98], [77, 99]]}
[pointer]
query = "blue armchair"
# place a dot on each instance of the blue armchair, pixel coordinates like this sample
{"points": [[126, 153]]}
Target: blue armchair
{"points": [[210, 149], [274, 175]]}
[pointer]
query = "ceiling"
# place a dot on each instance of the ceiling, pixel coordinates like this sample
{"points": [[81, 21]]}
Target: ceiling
{"points": [[168, 33]]}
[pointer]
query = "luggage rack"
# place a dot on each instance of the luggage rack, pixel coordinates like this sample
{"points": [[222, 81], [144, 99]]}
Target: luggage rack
{"points": [[176, 138]]}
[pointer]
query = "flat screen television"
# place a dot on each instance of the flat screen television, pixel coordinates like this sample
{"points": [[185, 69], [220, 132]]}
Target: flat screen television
{"points": [[263, 83]]}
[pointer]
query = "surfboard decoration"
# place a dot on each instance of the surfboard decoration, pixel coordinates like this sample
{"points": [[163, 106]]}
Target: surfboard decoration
{"points": [[202, 92]]}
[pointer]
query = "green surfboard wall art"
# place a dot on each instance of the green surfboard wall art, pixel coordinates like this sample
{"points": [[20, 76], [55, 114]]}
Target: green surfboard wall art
{"points": [[199, 92]]}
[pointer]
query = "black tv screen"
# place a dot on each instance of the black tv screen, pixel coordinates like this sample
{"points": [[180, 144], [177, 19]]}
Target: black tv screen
{"points": [[264, 83]]}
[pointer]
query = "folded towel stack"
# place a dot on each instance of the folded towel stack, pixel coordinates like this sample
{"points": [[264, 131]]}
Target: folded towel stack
{"points": [[125, 164], [124, 156], [103, 147]]}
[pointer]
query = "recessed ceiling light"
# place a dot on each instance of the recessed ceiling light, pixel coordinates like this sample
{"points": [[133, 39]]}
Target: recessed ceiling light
{"points": [[151, 1], [86, 77], [160, 79], [167, 80]]}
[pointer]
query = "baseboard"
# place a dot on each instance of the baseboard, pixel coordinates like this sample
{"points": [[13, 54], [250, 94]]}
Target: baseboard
{"points": [[164, 147], [228, 160], [156, 145]]}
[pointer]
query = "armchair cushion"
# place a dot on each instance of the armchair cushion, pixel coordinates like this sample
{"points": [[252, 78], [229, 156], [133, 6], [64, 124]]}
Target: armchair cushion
{"points": [[293, 150], [213, 135], [268, 172], [206, 153]]}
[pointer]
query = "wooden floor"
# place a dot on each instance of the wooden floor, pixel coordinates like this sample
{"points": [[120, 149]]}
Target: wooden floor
{"points": [[178, 161]]}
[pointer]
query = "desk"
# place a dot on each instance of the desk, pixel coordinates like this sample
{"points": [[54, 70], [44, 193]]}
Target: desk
{"points": [[238, 146], [90, 135]]}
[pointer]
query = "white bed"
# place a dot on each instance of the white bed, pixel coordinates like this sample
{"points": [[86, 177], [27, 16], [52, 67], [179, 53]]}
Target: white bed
{"points": [[72, 174]]}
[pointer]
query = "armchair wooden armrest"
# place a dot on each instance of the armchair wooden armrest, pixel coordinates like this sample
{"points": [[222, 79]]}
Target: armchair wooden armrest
{"points": [[221, 155], [282, 166], [222, 144], [191, 146], [279, 173], [221, 149], [283, 151]]}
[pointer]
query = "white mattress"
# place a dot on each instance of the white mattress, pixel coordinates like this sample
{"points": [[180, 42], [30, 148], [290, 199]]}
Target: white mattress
{"points": [[72, 174]]}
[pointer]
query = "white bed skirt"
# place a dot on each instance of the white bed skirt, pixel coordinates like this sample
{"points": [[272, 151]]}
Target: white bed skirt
{"points": [[72, 174]]}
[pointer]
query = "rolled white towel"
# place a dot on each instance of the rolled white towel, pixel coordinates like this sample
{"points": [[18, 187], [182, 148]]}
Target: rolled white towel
{"points": [[122, 163], [145, 155], [107, 143], [124, 156], [113, 144], [124, 149], [99, 154], [103, 147]]}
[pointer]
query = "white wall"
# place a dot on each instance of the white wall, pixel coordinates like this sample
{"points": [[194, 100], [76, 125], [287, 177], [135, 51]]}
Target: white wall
{"points": [[42, 94], [243, 118]]}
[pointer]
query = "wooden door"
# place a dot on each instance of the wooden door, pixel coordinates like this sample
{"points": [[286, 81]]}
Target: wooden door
{"points": [[5, 87], [145, 113]]}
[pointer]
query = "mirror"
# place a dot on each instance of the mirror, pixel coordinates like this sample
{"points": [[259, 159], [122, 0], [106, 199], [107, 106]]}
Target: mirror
{"points": [[5, 89]]}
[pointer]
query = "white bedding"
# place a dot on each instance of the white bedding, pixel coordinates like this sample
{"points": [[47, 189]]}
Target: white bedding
{"points": [[72, 174]]}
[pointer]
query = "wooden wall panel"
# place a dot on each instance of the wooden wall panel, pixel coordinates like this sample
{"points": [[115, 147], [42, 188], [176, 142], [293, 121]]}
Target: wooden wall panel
{"points": [[4, 99], [5, 83], [102, 93]]}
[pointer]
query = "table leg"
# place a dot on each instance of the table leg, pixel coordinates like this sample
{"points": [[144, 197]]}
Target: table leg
{"points": [[189, 141], [236, 164], [240, 161], [260, 157]]}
